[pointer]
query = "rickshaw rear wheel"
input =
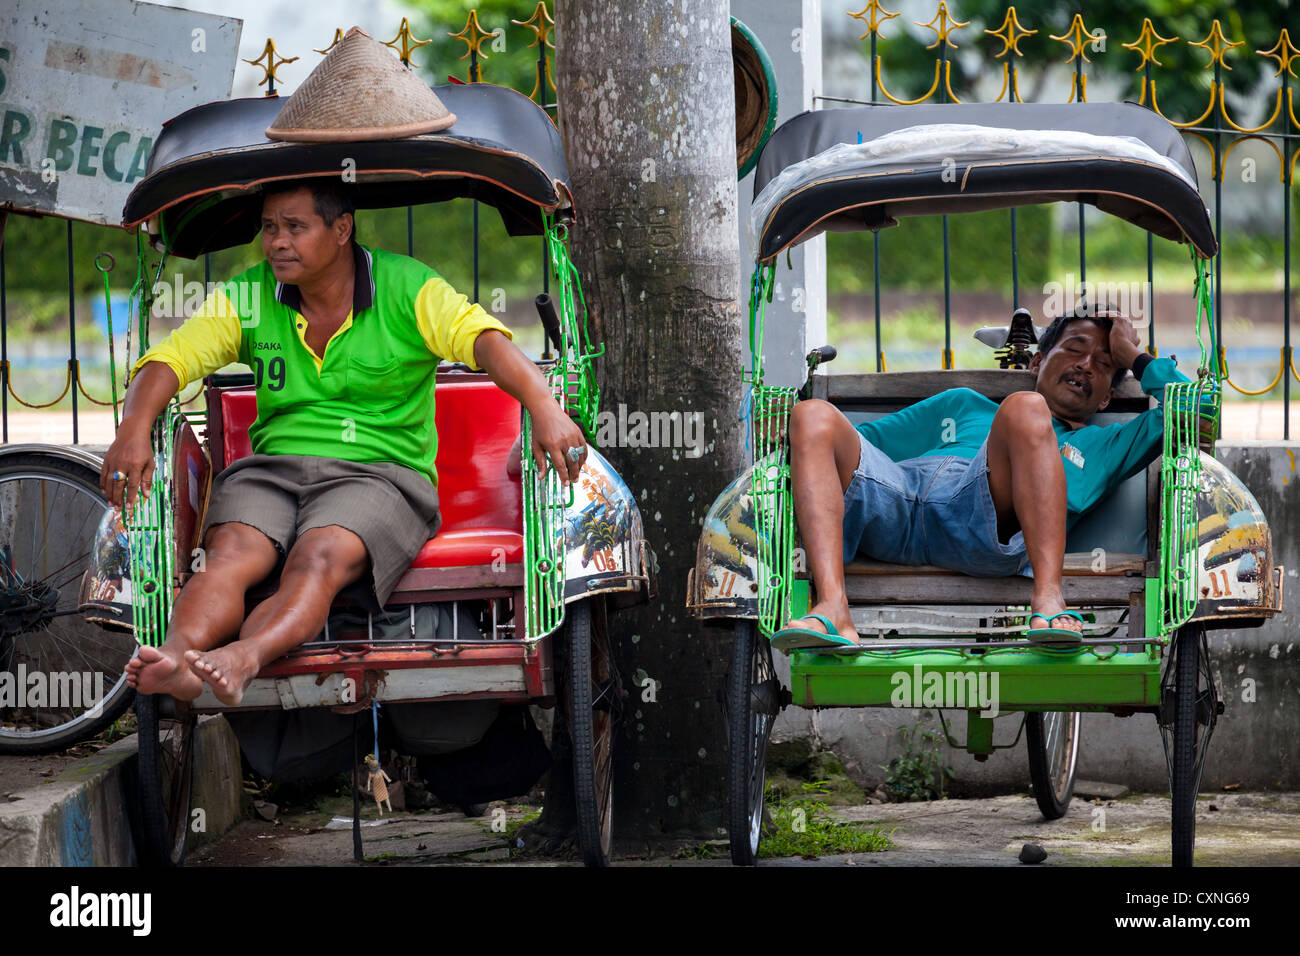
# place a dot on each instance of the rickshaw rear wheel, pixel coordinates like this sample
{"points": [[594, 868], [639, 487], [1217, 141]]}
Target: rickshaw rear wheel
{"points": [[594, 700], [1192, 714], [166, 777], [1053, 742], [50, 509], [754, 698]]}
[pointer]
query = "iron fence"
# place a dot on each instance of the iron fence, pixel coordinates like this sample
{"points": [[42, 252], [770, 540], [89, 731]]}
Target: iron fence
{"points": [[539, 25], [1215, 128]]}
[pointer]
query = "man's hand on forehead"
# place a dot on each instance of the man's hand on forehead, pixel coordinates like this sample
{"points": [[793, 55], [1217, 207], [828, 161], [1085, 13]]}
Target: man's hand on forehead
{"points": [[1124, 342]]}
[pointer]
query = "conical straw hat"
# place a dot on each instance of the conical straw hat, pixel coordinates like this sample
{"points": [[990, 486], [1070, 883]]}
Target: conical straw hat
{"points": [[360, 91]]}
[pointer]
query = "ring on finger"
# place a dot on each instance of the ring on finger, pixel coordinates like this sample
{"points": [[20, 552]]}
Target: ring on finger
{"points": [[575, 453], [118, 476]]}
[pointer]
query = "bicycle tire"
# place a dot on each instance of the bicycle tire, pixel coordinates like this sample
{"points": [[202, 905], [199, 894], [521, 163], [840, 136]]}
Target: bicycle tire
{"points": [[165, 765], [69, 507], [1053, 743]]}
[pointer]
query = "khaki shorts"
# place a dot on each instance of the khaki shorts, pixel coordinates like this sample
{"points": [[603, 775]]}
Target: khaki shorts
{"points": [[391, 508]]}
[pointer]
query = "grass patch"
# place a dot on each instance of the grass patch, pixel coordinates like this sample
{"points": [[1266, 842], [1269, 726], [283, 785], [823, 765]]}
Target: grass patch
{"points": [[713, 850], [918, 772], [803, 825], [512, 826]]}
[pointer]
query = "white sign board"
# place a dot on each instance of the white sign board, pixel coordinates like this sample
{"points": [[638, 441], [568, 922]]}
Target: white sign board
{"points": [[84, 89]]}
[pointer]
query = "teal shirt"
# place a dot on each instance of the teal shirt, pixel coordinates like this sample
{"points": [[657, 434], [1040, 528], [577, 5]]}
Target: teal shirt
{"points": [[1097, 458]]}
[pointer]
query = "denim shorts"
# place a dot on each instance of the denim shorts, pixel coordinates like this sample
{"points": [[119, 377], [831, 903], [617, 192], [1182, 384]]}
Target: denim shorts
{"points": [[935, 510]]}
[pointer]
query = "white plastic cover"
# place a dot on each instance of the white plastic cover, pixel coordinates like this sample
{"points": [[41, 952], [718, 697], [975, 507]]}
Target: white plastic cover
{"points": [[963, 144]]}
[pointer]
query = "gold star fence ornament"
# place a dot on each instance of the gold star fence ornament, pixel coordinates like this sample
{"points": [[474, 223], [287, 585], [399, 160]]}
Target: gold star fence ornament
{"points": [[540, 23], [947, 24], [1284, 52], [338, 37], [409, 43], [1077, 37], [543, 28], [1010, 33], [874, 16], [1147, 43], [273, 63], [1218, 45], [473, 36]]}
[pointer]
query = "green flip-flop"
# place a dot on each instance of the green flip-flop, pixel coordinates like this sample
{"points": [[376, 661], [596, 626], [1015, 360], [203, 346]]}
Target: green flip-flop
{"points": [[801, 638], [1055, 635]]}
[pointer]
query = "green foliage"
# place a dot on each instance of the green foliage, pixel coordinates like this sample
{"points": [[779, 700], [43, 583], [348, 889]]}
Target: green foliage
{"points": [[36, 255], [911, 255], [514, 66], [918, 773], [512, 826], [804, 825]]}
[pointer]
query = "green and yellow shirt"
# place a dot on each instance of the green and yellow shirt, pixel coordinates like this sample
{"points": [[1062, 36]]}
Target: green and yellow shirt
{"points": [[370, 396]]}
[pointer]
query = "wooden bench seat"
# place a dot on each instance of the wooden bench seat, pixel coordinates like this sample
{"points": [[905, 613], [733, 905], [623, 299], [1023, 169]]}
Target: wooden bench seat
{"points": [[877, 582]]}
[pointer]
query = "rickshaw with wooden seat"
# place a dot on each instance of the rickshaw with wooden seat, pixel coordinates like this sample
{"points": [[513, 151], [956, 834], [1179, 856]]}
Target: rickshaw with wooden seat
{"points": [[507, 605], [1183, 548]]}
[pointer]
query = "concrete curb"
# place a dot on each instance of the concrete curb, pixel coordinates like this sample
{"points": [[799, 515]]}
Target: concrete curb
{"points": [[83, 816]]}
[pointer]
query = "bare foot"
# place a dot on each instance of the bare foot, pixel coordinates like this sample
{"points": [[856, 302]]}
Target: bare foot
{"points": [[227, 670], [159, 670]]}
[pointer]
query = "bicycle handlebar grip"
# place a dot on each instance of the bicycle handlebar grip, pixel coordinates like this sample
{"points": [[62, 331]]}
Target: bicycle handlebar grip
{"points": [[824, 353], [550, 320]]}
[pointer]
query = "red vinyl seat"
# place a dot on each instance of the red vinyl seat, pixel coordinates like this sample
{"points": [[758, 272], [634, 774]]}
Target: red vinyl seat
{"points": [[482, 515]]}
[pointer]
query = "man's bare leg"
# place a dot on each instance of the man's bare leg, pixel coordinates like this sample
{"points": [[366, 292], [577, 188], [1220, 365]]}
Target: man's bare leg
{"points": [[208, 610], [320, 564], [1027, 481], [824, 451]]}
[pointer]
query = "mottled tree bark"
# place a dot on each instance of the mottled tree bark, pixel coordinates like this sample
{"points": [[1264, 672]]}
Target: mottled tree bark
{"points": [[647, 114]]}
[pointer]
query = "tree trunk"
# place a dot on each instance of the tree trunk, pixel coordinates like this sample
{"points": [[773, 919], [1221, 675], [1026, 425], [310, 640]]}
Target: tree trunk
{"points": [[647, 115]]}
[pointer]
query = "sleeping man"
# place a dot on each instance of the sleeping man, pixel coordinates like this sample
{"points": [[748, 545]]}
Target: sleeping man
{"points": [[965, 483]]}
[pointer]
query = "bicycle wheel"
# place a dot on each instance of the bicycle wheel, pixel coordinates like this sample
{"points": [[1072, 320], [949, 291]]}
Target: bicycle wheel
{"points": [[1190, 708], [593, 712], [166, 775], [64, 674], [754, 698], [1053, 741]]}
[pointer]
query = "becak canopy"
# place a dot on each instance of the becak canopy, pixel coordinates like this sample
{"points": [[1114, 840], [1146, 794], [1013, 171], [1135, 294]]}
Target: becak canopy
{"points": [[867, 167]]}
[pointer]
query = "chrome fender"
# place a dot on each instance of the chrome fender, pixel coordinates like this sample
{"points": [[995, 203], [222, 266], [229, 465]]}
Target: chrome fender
{"points": [[106, 596], [1236, 574], [605, 547], [724, 581]]}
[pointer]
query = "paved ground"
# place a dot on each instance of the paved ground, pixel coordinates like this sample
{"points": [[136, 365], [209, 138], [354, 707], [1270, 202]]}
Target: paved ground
{"points": [[1233, 829]]}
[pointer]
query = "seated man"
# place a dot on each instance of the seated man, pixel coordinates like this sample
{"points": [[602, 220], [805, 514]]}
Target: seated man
{"points": [[962, 482], [344, 342]]}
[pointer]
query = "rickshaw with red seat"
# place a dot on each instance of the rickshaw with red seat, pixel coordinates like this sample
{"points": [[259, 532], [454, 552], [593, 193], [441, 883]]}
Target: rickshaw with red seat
{"points": [[509, 604], [1184, 547]]}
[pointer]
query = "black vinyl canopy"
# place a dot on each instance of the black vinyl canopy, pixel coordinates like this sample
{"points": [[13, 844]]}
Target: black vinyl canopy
{"points": [[1026, 153], [202, 189]]}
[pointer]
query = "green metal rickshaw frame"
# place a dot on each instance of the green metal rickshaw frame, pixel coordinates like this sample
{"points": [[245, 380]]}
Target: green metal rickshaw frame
{"points": [[1098, 677], [1025, 153]]}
